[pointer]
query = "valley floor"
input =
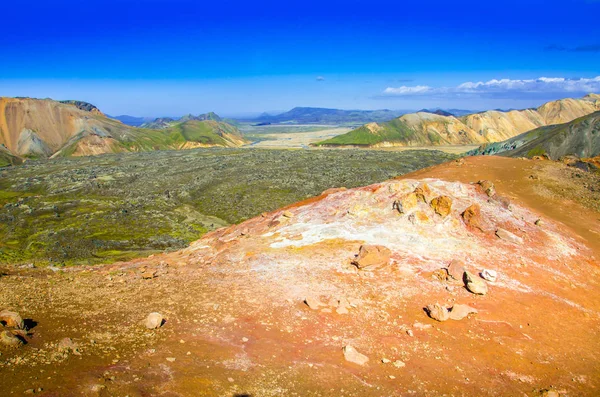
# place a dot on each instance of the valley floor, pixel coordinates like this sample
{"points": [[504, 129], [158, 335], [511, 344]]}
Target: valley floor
{"points": [[236, 323]]}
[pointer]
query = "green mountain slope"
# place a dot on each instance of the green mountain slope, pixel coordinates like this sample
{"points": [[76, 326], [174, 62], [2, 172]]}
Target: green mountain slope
{"points": [[580, 137]]}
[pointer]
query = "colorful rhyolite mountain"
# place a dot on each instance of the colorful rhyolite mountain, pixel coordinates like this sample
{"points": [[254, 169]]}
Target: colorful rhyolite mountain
{"points": [[42, 128], [426, 129]]}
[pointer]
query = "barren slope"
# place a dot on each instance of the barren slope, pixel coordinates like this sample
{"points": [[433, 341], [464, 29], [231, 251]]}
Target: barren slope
{"points": [[237, 324]]}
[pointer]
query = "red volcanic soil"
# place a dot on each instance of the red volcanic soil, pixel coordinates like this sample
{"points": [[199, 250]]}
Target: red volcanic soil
{"points": [[237, 323]]}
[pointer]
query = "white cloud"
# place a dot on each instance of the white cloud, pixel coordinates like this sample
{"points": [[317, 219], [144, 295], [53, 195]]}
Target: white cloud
{"points": [[504, 88], [404, 90]]}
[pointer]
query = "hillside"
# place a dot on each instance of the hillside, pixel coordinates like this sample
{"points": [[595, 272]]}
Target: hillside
{"points": [[427, 129], [166, 122], [426, 285], [42, 128], [308, 115], [580, 137]]}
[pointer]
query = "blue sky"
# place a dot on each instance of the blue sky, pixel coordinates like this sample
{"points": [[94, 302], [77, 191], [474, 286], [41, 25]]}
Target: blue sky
{"points": [[155, 57]]}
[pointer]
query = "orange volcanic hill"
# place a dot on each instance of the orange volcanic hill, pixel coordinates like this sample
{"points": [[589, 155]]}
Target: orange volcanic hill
{"points": [[42, 128], [341, 295]]}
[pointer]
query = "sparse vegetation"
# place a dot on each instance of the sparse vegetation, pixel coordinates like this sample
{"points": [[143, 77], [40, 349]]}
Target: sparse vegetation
{"points": [[113, 207]]}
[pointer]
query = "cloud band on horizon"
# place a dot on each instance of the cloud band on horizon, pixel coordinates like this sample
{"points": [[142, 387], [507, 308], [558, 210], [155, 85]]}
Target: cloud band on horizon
{"points": [[501, 88]]}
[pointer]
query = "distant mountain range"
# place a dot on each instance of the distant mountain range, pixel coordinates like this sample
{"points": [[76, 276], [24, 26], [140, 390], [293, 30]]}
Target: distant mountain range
{"points": [[430, 129], [308, 115], [43, 128], [132, 120]]}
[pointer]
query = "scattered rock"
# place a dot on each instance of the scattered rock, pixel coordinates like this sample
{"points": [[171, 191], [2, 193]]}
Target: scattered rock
{"points": [[459, 311], [442, 205], [341, 310], [456, 270], [538, 222], [488, 187], [385, 360], [399, 364], [372, 257], [66, 345], [11, 319], [508, 236], [472, 216], [489, 275], [352, 355], [7, 338], [437, 312], [313, 302], [475, 284], [171, 359], [149, 274], [288, 214], [154, 320]]}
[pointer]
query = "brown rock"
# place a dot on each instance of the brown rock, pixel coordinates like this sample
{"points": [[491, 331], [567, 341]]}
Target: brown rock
{"points": [[437, 312], [11, 319], [456, 270], [475, 284], [442, 205], [459, 311], [7, 338], [372, 257], [352, 355], [488, 187], [472, 216]]}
